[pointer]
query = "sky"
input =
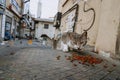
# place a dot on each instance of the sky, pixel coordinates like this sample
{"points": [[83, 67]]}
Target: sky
{"points": [[49, 8]]}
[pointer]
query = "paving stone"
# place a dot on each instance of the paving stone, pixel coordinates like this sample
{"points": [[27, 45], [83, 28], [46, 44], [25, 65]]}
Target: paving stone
{"points": [[79, 75], [98, 76], [1, 72], [112, 76], [69, 78], [34, 62]]}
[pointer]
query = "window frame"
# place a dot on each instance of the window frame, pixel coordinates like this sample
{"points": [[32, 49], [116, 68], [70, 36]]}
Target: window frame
{"points": [[15, 4], [46, 26]]}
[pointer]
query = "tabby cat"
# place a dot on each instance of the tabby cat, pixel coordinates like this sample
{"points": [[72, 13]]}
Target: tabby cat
{"points": [[72, 40]]}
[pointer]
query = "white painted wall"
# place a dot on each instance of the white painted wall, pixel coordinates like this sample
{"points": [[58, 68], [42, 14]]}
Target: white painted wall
{"points": [[3, 26], [40, 30]]}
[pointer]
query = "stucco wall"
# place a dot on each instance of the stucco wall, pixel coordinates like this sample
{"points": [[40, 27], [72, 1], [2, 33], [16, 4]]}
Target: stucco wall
{"points": [[85, 20], [108, 27]]}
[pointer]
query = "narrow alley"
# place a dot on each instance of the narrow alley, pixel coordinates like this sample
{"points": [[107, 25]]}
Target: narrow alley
{"points": [[59, 39], [37, 62]]}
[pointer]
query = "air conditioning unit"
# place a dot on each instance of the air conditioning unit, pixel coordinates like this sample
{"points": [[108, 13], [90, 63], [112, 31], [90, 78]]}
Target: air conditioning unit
{"points": [[57, 20]]}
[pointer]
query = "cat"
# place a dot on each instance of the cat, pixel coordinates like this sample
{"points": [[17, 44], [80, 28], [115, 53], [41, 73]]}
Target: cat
{"points": [[72, 40]]}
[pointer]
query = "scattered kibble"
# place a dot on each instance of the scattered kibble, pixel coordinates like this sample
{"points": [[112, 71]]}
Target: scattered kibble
{"points": [[114, 65], [58, 57], [105, 66], [83, 59], [86, 59], [74, 65], [12, 53], [69, 58]]}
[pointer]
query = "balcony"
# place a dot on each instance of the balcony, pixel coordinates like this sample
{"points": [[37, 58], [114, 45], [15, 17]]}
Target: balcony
{"points": [[2, 4], [16, 6]]}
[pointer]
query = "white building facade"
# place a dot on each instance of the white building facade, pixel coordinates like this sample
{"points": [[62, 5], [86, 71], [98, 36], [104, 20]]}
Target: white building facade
{"points": [[44, 31], [44, 27], [26, 7]]}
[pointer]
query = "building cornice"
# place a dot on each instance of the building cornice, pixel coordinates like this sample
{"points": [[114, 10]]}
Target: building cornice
{"points": [[43, 20]]}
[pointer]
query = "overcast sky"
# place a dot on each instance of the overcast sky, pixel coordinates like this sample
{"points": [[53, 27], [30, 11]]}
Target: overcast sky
{"points": [[49, 7]]}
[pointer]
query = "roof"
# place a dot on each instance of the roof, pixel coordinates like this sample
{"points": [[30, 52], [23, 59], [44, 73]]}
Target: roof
{"points": [[43, 20]]}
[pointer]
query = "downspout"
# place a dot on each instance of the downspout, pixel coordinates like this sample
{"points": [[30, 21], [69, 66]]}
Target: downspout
{"points": [[76, 17]]}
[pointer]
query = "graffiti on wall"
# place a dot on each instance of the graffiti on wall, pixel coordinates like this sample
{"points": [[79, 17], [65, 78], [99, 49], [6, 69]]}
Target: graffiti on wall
{"points": [[69, 21]]}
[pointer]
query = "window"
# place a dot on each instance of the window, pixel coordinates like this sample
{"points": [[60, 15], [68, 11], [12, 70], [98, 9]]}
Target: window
{"points": [[8, 23], [8, 26], [16, 5], [46, 26]]}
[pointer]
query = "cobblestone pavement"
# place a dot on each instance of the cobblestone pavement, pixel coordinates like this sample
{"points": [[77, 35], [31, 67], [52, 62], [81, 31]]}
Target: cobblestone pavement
{"points": [[40, 63]]}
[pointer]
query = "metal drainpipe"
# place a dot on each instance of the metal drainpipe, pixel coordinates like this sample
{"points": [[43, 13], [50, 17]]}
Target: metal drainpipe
{"points": [[76, 17]]}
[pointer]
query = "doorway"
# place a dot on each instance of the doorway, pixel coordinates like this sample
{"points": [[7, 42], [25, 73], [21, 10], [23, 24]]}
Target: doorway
{"points": [[8, 24]]}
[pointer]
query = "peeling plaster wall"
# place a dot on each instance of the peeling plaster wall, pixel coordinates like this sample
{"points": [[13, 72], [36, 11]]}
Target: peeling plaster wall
{"points": [[68, 22], [84, 18]]}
